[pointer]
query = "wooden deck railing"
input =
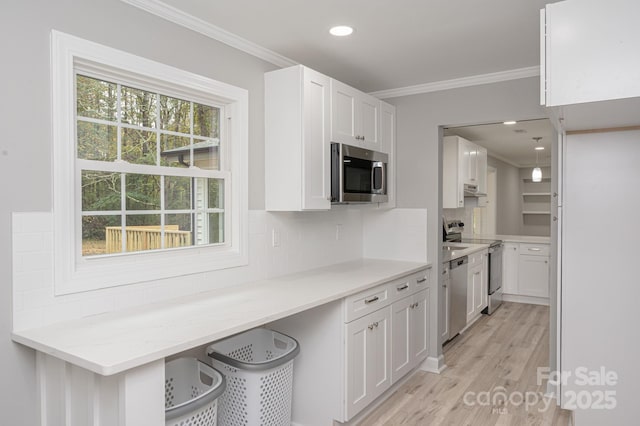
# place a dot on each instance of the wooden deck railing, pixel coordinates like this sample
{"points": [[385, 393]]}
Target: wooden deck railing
{"points": [[141, 238]]}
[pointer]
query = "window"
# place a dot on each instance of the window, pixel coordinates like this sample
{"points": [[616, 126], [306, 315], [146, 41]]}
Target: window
{"points": [[149, 169]]}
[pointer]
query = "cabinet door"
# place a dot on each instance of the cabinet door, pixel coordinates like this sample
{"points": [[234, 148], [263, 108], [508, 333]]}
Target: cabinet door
{"points": [[477, 288], [419, 326], [387, 145], [316, 146], [401, 355], [358, 335], [368, 353], [533, 277], [343, 113], [452, 185], [484, 295], [368, 109], [443, 317], [465, 151], [379, 352], [481, 169], [473, 276], [610, 53], [510, 260]]}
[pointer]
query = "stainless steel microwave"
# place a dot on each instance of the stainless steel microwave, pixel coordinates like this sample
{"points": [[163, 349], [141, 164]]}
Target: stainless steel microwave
{"points": [[358, 175]]}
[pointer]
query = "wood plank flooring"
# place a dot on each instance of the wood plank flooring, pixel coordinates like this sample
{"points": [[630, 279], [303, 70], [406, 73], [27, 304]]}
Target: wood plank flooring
{"points": [[490, 367]]}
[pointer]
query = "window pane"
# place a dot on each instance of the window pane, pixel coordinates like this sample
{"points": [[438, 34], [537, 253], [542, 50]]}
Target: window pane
{"points": [[143, 232], [97, 141], [177, 193], [216, 228], [96, 98], [206, 154], [175, 115], [215, 192], [178, 230], [138, 107], [143, 192], [139, 146], [206, 120], [101, 235], [175, 151], [100, 191]]}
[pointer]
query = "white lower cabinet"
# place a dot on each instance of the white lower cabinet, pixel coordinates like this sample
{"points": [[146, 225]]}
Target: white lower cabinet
{"points": [[526, 272], [353, 350], [410, 317], [477, 284], [368, 352], [533, 275], [510, 256]]}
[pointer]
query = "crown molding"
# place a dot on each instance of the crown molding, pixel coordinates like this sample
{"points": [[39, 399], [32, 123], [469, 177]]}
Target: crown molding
{"points": [[456, 83], [170, 13]]}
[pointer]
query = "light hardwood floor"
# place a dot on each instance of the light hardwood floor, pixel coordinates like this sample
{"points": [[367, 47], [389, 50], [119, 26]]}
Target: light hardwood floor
{"points": [[498, 353]]}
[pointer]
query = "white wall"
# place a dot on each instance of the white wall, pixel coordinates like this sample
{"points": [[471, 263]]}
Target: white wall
{"points": [[508, 197], [25, 176]]}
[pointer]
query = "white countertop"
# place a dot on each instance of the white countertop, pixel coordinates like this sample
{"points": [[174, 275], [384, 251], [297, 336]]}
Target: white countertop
{"points": [[117, 341], [448, 255], [514, 238]]}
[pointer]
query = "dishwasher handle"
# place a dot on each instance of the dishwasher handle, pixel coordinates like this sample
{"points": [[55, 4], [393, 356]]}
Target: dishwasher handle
{"points": [[456, 263]]}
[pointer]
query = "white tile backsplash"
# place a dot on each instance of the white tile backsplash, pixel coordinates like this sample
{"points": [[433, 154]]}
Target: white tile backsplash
{"points": [[307, 240]]}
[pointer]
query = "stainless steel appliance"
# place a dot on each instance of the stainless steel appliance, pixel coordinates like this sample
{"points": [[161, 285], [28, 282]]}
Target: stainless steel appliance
{"points": [[458, 295], [358, 175], [445, 307]]}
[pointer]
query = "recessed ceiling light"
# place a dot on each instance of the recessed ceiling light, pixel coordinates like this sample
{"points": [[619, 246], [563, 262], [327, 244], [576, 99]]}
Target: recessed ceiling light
{"points": [[341, 31], [509, 123], [539, 148]]}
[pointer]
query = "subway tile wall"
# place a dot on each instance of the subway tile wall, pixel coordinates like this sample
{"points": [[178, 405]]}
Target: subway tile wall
{"points": [[307, 240]]}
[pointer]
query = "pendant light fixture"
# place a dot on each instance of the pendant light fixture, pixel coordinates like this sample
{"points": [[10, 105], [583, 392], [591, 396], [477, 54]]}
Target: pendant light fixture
{"points": [[536, 174]]}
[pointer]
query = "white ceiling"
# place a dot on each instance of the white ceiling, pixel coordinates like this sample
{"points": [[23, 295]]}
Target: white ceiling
{"points": [[513, 143], [395, 43]]}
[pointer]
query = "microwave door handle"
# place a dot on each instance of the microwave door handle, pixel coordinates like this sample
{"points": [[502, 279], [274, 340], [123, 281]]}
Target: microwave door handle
{"points": [[383, 177]]}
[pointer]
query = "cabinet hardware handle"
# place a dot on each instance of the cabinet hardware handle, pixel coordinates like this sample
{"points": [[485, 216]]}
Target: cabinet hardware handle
{"points": [[555, 218], [444, 285], [404, 287], [534, 249], [555, 194], [370, 327], [373, 299], [421, 280], [376, 324], [444, 272]]}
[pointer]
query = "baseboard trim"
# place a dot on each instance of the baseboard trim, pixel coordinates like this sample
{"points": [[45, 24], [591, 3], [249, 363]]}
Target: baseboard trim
{"points": [[544, 301], [434, 365]]}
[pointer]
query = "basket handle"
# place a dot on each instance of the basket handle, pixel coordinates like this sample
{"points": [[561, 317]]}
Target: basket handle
{"points": [[265, 365], [201, 400]]}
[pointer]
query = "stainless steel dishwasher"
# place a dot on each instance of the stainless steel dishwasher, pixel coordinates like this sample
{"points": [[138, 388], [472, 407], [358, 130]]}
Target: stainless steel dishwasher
{"points": [[458, 279]]}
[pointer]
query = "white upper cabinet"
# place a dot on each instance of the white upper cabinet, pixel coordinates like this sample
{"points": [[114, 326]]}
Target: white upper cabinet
{"points": [[589, 51], [452, 177], [297, 140], [355, 117], [387, 145], [463, 162]]}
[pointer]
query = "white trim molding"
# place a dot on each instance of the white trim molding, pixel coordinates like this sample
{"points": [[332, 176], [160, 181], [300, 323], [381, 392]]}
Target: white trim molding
{"points": [[456, 83], [73, 274], [434, 364], [177, 16]]}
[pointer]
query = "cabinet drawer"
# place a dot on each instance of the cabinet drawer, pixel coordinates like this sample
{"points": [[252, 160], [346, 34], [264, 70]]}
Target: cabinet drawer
{"points": [[367, 301], [409, 285], [534, 249], [421, 279]]}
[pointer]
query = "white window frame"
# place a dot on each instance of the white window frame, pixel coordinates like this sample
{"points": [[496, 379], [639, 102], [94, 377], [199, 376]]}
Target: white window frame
{"points": [[74, 273]]}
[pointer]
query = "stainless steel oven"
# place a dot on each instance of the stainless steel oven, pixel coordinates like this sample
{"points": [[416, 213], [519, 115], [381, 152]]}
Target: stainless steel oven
{"points": [[358, 175]]}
